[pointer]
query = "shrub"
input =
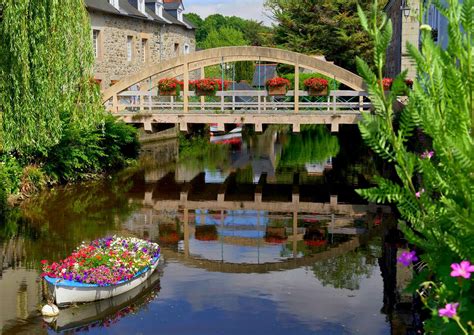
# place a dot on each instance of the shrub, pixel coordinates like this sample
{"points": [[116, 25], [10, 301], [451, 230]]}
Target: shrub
{"points": [[32, 180], [434, 187]]}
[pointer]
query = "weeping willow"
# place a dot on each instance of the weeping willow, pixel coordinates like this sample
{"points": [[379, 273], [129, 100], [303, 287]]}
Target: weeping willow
{"points": [[46, 60]]}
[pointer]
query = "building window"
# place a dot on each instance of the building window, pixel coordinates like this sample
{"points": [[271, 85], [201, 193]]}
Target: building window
{"points": [[186, 49], [114, 3], [180, 15], [144, 50], [141, 6], [176, 48], [159, 9], [129, 48], [96, 42]]}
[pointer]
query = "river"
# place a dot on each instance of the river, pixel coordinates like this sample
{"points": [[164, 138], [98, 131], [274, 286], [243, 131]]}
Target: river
{"points": [[260, 234]]}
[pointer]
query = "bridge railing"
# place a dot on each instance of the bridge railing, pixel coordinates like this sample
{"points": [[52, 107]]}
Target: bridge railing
{"points": [[236, 101]]}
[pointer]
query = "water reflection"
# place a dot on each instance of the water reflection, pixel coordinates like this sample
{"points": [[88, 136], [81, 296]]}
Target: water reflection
{"points": [[263, 236]]}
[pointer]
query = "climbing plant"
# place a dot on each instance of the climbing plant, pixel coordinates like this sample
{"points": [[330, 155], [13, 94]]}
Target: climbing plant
{"points": [[46, 63], [430, 144]]}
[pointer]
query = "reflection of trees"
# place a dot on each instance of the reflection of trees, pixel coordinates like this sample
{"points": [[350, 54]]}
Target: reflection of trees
{"points": [[314, 144], [198, 153], [56, 222], [347, 270]]}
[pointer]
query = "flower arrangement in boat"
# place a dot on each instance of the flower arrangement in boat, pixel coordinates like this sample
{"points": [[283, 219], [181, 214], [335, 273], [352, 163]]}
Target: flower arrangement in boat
{"points": [[316, 86], [105, 261], [168, 86], [277, 86]]}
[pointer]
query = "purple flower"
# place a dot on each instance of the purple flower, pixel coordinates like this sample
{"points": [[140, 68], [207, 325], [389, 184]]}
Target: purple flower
{"points": [[462, 269], [449, 310], [406, 258], [427, 154], [419, 193]]}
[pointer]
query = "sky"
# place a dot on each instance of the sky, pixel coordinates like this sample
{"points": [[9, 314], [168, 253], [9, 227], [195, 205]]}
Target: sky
{"points": [[248, 9]]}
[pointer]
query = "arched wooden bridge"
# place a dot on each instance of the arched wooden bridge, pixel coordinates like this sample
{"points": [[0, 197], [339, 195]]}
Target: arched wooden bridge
{"points": [[145, 106]]}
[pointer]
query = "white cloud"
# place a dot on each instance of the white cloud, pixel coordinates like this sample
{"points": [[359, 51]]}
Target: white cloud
{"points": [[248, 9]]}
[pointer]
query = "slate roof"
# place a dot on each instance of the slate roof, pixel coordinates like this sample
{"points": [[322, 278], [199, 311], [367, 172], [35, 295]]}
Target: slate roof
{"points": [[262, 73], [126, 9]]}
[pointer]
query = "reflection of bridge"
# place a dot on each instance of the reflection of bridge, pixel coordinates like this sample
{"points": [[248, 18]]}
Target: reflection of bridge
{"points": [[340, 107]]}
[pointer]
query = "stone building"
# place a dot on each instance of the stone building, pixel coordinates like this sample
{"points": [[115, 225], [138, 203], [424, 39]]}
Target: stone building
{"points": [[131, 34], [406, 29]]}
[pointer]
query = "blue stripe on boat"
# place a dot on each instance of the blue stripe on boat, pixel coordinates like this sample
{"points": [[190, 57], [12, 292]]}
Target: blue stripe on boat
{"points": [[73, 283]]}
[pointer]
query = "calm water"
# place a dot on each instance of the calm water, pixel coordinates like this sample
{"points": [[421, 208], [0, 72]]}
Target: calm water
{"points": [[261, 234]]}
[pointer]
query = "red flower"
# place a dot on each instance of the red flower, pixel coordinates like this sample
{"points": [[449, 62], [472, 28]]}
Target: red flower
{"points": [[168, 84], [317, 84], [278, 82], [44, 261], [387, 83]]}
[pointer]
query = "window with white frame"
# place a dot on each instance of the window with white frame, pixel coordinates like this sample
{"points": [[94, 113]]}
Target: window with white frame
{"points": [[114, 3], [96, 42], [159, 8], [144, 50], [141, 6], [129, 48], [180, 15]]}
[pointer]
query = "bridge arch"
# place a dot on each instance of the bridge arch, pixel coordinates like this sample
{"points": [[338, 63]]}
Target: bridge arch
{"points": [[182, 65]]}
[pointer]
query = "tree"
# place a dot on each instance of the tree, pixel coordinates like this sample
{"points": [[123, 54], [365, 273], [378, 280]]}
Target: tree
{"points": [[327, 27], [431, 145], [46, 62], [224, 37]]}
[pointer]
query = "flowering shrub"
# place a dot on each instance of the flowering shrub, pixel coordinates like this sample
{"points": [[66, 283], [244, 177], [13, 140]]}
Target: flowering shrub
{"points": [[277, 82], [219, 84], [105, 261], [434, 172], [317, 84], [168, 84]]}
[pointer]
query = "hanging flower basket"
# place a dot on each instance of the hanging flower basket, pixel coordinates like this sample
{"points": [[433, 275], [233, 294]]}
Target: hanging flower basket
{"points": [[206, 87], [191, 85], [316, 86], [168, 87], [315, 243], [206, 233], [277, 86]]}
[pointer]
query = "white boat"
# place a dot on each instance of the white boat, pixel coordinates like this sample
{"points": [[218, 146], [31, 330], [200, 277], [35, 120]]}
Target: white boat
{"points": [[84, 316], [67, 292]]}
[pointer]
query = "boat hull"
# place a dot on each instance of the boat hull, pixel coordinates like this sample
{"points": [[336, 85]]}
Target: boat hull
{"points": [[66, 292]]}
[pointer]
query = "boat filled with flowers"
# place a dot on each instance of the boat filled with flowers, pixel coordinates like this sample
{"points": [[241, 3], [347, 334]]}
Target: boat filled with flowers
{"points": [[102, 269]]}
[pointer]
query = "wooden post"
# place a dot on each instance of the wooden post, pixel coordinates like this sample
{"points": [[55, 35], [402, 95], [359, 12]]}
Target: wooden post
{"points": [[361, 103], [115, 103], [203, 98], [297, 88], [186, 88]]}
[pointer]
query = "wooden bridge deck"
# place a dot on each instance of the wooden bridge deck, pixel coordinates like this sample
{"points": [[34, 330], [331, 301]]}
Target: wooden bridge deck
{"points": [[245, 107]]}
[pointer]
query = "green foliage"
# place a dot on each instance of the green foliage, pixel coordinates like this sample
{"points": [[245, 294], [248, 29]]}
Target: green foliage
{"points": [[255, 33], [198, 153], [85, 154], [10, 174], [434, 195], [45, 70], [327, 27], [224, 37]]}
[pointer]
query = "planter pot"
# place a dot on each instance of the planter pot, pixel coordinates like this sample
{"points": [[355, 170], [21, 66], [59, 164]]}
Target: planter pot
{"points": [[277, 90], [171, 93], [205, 93], [206, 233], [315, 93]]}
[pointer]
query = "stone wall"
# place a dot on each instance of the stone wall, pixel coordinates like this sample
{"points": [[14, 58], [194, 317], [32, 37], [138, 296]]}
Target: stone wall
{"points": [[112, 63], [405, 30]]}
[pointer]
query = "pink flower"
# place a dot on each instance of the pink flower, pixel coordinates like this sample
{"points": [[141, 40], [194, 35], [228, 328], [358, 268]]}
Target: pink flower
{"points": [[462, 269], [427, 154], [419, 193], [449, 310], [406, 258]]}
